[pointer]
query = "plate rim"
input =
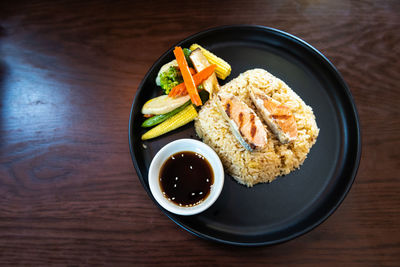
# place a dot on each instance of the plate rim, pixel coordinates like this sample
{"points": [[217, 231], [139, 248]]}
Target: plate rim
{"points": [[338, 78]]}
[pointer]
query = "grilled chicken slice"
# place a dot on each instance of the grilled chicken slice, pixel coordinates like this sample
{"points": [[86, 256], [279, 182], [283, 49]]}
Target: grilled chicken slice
{"points": [[244, 123], [278, 117], [200, 62]]}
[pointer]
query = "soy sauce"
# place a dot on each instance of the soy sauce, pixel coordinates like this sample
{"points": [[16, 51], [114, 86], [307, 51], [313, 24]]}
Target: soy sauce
{"points": [[186, 178]]}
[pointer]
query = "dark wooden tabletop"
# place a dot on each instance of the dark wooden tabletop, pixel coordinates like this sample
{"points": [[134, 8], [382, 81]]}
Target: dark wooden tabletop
{"points": [[69, 194]]}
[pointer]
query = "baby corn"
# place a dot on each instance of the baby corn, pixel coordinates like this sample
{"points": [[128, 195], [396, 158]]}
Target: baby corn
{"points": [[223, 69], [176, 121]]}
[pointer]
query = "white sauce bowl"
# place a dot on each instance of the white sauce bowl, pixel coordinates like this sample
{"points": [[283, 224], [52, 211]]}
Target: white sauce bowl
{"points": [[179, 146]]}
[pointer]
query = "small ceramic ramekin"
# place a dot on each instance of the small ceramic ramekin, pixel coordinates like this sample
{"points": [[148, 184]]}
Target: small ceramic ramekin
{"points": [[180, 146]]}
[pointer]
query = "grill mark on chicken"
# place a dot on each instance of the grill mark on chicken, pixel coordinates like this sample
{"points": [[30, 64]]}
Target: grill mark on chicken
{"points": [[240, 120], [253, 128], [282, 117], [228, 109]]}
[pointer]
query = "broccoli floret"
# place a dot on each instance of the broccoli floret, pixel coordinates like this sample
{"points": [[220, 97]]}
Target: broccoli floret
{"points": [[170, 78]]}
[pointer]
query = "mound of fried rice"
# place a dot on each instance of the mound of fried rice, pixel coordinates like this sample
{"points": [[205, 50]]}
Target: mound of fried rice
{"points": [[250, 168]]}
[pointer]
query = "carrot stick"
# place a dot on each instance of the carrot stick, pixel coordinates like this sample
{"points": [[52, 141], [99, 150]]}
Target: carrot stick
{"points": [[182, 91], [204, 74], [198, 79], [192, 71], [172, 93], [176, 89], [187, 77]]}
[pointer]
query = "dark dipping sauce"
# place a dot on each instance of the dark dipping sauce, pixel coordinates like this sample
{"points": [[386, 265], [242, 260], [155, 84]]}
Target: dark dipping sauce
{"points": [[186, 178]]}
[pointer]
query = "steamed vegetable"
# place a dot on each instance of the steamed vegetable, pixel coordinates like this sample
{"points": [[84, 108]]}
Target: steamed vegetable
{"points": [[187, 52], [198, 78], [163, 104], [200, 62], [204, 95], [187, 77], [162, 117], [182, 80], [181, 118], [154, 120], [223, 68], [192, 71], [164, 68], [170, 78]]}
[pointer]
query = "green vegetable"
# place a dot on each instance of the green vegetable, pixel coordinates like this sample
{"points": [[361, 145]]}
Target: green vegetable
{"points": [[176, 121], [187, 52], [170, 78], [162, 117], [204, 96]]}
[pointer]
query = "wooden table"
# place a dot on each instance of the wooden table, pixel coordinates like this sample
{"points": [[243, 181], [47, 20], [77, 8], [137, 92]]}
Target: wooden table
{"points": [[69, 194]]}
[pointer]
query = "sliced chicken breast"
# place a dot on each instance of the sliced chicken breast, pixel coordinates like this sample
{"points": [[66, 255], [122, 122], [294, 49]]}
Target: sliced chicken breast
{"points": [[244, 122], [278, 117]]}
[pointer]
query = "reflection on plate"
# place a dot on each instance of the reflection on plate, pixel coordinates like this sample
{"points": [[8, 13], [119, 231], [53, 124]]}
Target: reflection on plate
{"points": [[293, 204]]}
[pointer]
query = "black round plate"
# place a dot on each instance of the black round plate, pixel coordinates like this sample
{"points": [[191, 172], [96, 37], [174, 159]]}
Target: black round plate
{"points": [[293, 204]]}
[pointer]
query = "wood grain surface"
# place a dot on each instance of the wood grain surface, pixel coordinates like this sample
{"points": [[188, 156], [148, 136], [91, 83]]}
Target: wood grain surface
{"points": [[69, 194]]}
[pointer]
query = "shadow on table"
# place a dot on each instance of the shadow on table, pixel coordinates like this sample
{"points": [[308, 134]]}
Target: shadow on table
{"points": [[3, 70]]}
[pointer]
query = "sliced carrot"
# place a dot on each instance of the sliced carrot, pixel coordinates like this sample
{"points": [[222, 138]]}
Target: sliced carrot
{"points": [[198, 79], [172, 93], [192, 71], [204, 74], [187, 77], [177, 90], [182, 91]]}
